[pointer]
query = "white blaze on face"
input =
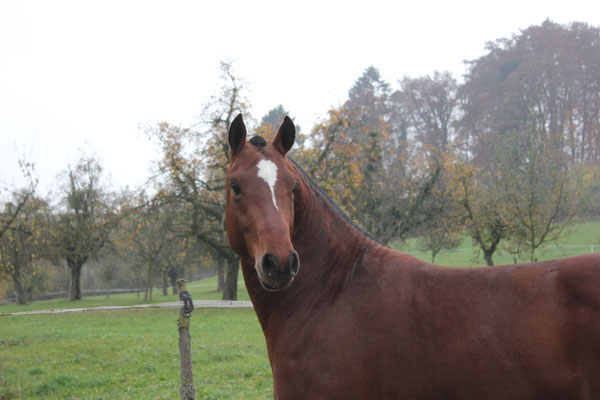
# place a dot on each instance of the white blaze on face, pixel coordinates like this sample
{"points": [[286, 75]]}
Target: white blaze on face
{"points": [[267, 171]]}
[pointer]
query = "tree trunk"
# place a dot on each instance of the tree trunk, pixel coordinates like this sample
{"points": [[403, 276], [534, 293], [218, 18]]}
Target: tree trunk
{"points": [[231, 277], [148, 291], [164, 279], [487, 255], [220, 274], [19, 291], [75, 289], [173, 279]]}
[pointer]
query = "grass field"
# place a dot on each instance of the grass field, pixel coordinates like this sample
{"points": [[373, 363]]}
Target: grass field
{"points": [[581, 239], [133, 354]]}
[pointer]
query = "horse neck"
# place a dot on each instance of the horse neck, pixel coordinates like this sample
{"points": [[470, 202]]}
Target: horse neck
{"points": [[330, 249], [329, 244]]}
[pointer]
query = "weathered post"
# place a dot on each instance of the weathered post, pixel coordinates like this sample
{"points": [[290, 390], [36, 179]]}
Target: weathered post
{"points": [[186, 390]]}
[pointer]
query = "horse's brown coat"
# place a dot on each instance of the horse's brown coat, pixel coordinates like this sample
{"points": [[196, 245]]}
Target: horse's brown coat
{"points": [[362, 321]]}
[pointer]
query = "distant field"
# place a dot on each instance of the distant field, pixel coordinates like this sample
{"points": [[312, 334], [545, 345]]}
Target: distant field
{"points": [[205, 289], [133, 354], [582, 238]]}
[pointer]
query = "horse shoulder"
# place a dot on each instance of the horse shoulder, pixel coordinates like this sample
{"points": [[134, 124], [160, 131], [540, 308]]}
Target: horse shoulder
{"points": [[579, 281]]}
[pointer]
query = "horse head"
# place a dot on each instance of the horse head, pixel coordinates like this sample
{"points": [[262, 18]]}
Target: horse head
{"points": [[261, 185]]}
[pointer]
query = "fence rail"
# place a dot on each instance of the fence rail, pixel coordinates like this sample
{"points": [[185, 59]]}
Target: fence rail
{"points": [[172, 304]]}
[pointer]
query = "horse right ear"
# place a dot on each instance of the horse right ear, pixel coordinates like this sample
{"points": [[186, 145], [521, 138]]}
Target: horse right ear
{"points": [[237, 135]]}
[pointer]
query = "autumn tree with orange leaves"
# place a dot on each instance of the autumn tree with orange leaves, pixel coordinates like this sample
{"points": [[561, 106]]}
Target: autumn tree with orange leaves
{"points": [[24, 243], [361, 155], [193, 168]]}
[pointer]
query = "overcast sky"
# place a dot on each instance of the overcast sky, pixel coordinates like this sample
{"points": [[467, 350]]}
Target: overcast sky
{"points": [[87, 76]]}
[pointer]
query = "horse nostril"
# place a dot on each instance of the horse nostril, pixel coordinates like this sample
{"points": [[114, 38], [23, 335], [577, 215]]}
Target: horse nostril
{"points": [[269, 264], [293, 263]]}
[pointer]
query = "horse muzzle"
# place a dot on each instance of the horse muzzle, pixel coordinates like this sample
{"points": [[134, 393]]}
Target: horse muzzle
{"points": [[275, 274]]}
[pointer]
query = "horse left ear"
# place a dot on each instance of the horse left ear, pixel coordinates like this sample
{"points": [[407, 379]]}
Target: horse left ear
{"points": [[284, 140]]}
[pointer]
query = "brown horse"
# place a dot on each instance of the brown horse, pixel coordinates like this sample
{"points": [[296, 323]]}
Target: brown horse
{"points": [[346, 317]]}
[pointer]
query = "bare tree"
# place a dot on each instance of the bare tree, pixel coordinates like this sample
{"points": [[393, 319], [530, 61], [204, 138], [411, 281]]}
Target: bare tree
{"points": [[86, 219], [430, 105], [486, 215], [10, 214], [541, 195]]}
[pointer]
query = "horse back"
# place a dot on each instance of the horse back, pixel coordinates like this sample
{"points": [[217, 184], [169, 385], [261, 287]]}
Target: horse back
{"points": [[408, 329], [526, 331]]}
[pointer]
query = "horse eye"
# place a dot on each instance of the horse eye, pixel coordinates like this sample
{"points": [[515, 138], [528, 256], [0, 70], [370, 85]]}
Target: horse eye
{"points": [[236, 188], [295, 187]]}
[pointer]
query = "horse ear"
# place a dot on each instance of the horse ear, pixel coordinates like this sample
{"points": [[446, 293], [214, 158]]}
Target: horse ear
{"points": [[237, 135], [284, 140]]}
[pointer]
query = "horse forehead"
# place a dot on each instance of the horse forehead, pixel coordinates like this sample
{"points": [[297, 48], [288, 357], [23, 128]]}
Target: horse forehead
{"points": [[267, 170], [261, 163]]}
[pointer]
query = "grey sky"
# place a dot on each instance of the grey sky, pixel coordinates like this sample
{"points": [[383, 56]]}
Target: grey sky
{"points": [[85, 75]]}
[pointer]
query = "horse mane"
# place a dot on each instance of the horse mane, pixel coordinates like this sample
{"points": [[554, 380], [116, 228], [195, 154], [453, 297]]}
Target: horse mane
{"points": [[330, 201]]}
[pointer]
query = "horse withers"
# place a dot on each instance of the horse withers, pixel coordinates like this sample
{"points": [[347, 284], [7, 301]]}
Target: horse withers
{"points": [[346, 317]]}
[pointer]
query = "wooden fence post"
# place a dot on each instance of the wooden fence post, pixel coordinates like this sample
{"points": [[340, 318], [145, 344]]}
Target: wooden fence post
{"points": [[186, 390]]}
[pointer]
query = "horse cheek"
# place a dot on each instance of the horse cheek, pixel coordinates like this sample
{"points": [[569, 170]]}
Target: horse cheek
{"points": [[236, 239]]}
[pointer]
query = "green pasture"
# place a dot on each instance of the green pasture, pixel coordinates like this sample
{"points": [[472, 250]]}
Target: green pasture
{"points": [[133, 354], [580, 239]]}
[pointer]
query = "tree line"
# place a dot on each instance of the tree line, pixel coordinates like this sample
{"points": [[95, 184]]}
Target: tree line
{"points": [[508, 156]]}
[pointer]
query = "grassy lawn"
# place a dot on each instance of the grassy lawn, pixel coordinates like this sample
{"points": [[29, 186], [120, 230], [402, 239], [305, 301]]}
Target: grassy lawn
{"points": [[133, 354]]}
